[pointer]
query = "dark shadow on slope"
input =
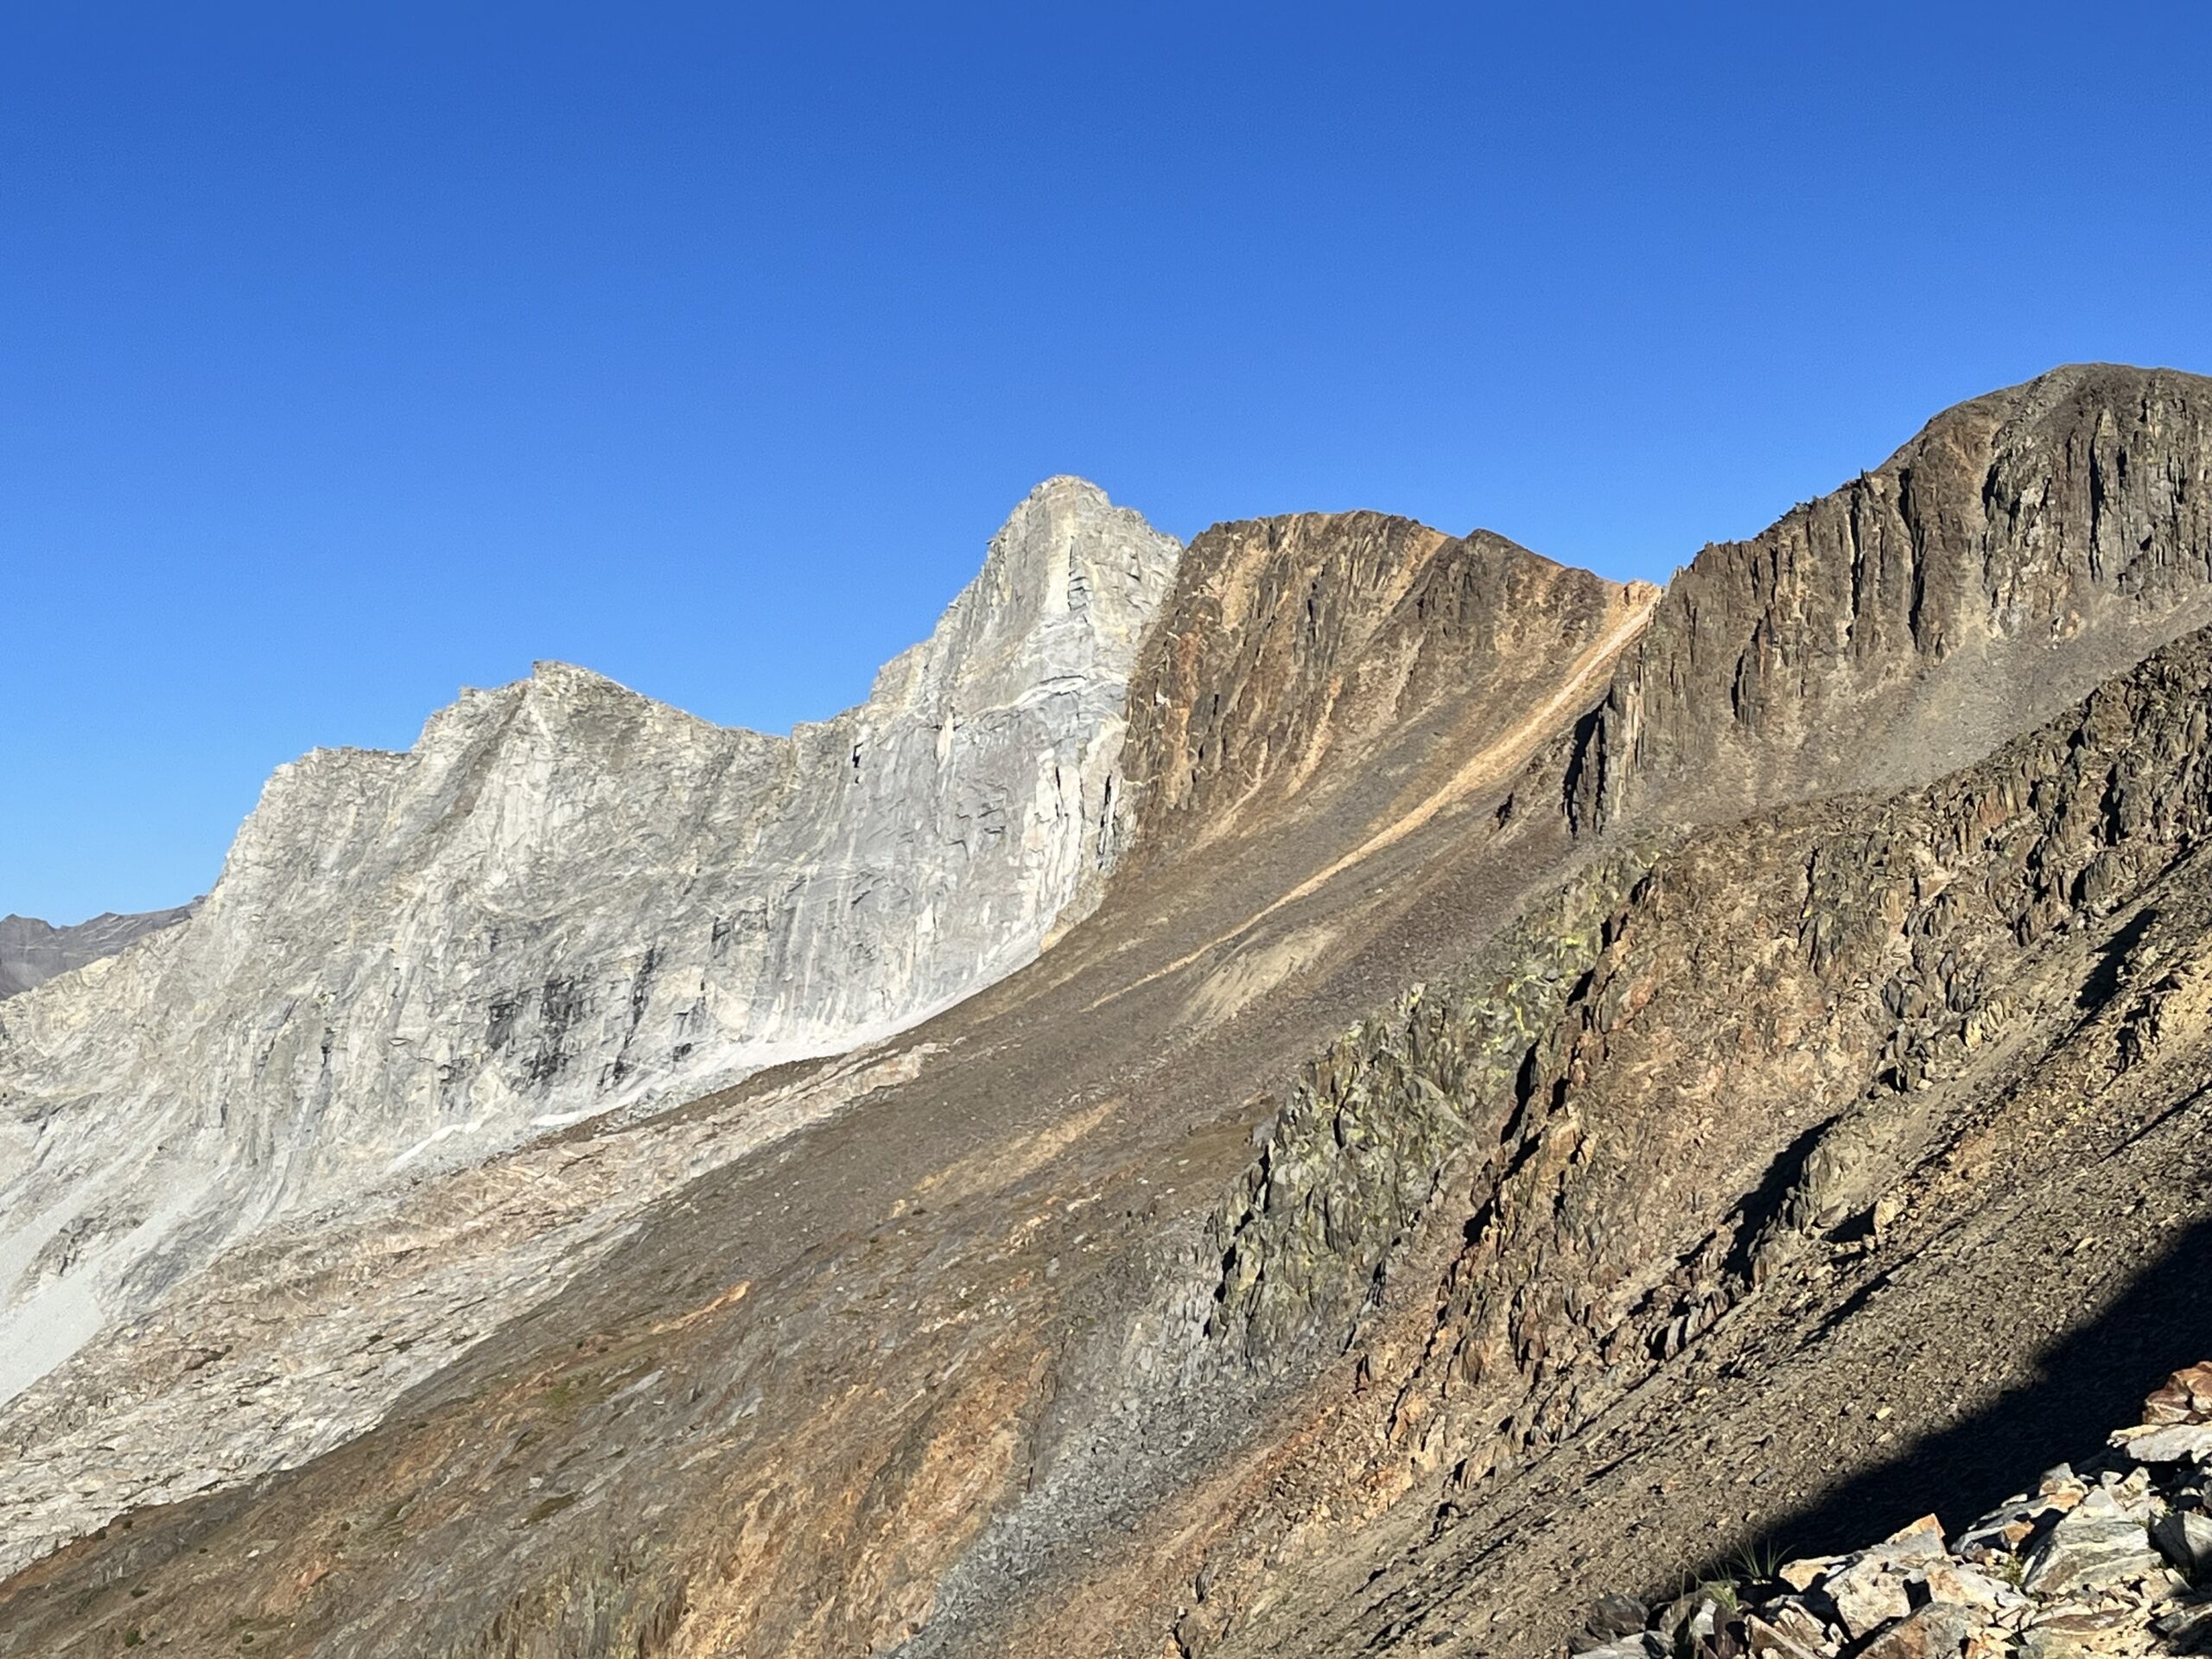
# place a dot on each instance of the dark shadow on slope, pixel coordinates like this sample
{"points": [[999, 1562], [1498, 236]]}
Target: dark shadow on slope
{"points": [[1765, 1203], [2091, 1383], [2103, 982]]}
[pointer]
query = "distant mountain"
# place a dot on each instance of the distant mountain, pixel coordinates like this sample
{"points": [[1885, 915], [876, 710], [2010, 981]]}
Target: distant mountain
{"points": [[32, 951]]}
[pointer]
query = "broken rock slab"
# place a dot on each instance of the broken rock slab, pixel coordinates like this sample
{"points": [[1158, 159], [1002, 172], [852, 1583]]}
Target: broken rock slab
{"points": [[2095, 1544], [2184, 1538], [2186, 1397], [1870, 1589], [2172, 1443], [1938, 1630]]}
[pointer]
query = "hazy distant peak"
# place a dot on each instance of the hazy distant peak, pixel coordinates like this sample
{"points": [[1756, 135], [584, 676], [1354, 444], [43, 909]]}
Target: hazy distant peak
{"points": [[33, 952]]}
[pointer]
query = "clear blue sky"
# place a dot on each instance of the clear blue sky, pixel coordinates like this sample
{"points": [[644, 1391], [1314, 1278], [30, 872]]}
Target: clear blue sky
{"points": [[352, 354]]}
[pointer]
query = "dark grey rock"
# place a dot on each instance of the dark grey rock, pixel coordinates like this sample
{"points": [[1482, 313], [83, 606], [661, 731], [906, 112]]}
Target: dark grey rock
{"points": [[2185, 1538], [32, 951]]}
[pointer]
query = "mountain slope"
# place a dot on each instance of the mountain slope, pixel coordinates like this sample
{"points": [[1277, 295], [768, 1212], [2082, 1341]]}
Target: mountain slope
{"points": [[32, 951], [802, 1226], [565, 899], [1807, 1228], [1546, 1050]]}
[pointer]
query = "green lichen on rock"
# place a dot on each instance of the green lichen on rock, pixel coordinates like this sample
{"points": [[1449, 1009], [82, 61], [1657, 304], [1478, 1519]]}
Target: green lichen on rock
{"points": [[1355, 1161]]}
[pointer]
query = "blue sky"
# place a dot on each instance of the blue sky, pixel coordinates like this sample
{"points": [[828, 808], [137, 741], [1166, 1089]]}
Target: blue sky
{"points": [[350, 355]]}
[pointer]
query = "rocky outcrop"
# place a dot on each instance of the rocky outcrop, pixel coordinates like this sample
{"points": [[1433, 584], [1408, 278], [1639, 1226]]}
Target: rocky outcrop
{"points": [[1352, 1169], [32, 951], [1788, 1025], [567, 900], [2025, 547], [1297, 655], [874, 1240], [2110, 1560]]}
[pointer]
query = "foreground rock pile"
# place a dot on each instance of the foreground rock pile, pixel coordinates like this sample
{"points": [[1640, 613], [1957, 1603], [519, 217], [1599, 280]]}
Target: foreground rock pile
{"points": [[2115, 1559]]}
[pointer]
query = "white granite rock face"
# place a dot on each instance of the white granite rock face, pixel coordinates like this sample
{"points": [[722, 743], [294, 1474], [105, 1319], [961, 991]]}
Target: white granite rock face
{"points": [[565, 899]]}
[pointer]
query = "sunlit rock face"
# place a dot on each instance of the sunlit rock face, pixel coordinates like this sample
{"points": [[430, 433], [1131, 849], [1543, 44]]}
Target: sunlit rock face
{"points": [[566, 898], [1565, 1083]]}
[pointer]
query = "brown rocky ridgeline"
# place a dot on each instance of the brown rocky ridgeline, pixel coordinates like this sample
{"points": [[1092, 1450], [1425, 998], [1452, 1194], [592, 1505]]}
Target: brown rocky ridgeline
{"points": [[1569, 1086]]}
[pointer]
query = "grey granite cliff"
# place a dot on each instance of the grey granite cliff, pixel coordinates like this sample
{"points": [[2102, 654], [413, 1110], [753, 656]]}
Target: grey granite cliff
{"points": [[565, 899]]}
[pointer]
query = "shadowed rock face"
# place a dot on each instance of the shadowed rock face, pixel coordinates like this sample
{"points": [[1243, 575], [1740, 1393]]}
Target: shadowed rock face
{"points": [[1563, 1084], [32, 951]]}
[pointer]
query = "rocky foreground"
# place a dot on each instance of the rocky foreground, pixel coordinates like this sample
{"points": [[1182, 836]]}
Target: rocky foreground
{"points": [[2113, 1559]]}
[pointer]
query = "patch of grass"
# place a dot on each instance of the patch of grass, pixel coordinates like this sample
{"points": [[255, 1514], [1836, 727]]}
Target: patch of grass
{"points": [[1758, 1561]]}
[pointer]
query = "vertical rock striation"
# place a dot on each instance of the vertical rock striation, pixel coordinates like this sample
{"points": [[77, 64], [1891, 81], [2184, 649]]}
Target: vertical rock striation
{"points": [[567, 899], [2023, 548]]}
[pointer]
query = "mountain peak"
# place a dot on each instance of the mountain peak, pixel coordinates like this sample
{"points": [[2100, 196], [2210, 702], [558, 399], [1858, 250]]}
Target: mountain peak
{"points": [[567, 899]]}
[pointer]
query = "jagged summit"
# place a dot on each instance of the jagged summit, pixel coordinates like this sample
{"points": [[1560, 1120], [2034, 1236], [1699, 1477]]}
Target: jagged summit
{"points": [[569, 679], [2060, 395], [567, 899], [2023, 547]]}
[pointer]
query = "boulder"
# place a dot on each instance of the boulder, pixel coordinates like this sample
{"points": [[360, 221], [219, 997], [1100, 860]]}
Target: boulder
{"points": [[2094, 1545], [2184, 1538], [1935, 1632], [2174, 1443], [1765, 1639], [1869, 1590], [2186, 1397]]}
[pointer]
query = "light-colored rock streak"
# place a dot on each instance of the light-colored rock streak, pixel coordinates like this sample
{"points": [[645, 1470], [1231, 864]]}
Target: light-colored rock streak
{"points": [[564, 899]]}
